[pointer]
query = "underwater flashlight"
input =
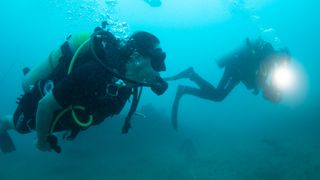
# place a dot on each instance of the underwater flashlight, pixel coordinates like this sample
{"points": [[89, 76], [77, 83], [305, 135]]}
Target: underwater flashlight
{"points": [[283, 77]]}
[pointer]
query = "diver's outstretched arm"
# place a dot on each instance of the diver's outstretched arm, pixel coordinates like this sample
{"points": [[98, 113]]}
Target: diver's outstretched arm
{"points": [[46, 108]]}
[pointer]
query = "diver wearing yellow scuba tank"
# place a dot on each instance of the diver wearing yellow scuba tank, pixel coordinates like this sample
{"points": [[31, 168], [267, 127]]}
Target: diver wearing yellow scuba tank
{"points": [[43, 70], [87, 90]]}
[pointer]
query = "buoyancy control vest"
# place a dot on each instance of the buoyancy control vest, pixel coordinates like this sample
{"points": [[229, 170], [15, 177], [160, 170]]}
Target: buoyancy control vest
{"points": [[103, 47]]}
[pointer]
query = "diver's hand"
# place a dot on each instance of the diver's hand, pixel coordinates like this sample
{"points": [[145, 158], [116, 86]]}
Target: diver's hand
{"points": [[43, 146]]}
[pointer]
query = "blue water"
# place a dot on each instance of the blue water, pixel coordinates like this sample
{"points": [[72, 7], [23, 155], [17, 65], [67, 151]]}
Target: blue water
{"points": [[242, 138]]}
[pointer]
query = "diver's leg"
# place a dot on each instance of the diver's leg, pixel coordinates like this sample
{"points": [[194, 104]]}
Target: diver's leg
{"points": [[205, 91], [226, 77], [223, 93], [208, 91], [182, 90], [227, 83], [202, 83], [211, 94], [193, 76], [175, 107], [183, 74]]}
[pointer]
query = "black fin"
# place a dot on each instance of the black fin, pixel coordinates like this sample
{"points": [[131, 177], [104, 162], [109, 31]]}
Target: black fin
{"points": [[174, 112], [6, 143], [174, 116]]}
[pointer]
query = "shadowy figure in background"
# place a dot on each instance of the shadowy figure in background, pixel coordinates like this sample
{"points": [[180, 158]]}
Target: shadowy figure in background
{"points": [[252, 65], [153, 3]]}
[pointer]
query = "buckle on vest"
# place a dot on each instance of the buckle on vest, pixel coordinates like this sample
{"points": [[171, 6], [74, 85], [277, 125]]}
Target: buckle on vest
{"points": [[113, 88]]}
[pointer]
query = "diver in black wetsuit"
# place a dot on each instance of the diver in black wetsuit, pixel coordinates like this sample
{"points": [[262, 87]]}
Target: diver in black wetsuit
{"points": [[251, 65]]}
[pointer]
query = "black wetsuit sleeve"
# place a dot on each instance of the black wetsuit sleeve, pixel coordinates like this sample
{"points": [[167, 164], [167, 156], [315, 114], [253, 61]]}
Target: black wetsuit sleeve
{"points": [[77, 87]]}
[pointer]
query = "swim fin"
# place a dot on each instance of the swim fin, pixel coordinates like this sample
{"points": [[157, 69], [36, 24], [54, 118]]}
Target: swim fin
{"points": [[174, 115], [6, 143], [175, 107]]}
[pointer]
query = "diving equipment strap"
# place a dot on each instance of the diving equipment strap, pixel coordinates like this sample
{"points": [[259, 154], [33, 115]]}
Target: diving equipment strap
{"points": [[74, 116], [134, 104]]}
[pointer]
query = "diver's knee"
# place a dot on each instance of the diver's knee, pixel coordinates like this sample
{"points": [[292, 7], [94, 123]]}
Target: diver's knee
{"points": [[218, 96]]}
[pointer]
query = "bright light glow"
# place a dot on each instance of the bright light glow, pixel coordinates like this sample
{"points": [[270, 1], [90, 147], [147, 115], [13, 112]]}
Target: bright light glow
{"points": [[291, 80], [283, 78]]}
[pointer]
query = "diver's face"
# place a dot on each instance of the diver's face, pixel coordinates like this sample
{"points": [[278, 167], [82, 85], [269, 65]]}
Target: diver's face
{"points": [[139, 69]]}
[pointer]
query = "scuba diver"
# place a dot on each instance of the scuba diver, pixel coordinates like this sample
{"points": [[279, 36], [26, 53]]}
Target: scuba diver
{"points": [[88, 79], [153, 3], [252, 64]]}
